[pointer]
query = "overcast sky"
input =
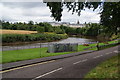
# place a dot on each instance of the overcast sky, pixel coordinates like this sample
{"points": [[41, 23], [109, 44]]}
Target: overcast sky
{"points": [[39, 12]]}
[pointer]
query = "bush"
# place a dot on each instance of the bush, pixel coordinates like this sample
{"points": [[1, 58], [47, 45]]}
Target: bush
{"points": [[8, 38]]}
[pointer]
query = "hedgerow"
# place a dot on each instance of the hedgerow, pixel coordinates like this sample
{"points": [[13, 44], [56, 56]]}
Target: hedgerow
{"points": [[8, 38]]}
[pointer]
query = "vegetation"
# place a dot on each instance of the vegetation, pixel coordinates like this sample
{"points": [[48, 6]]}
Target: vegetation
{"points": [[40, 29], [107, 69], [91, 29], [31, 26], [25, 54], [109, 14], [8, 38]]}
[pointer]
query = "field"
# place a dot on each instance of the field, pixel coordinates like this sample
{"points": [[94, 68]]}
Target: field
{"points": [[16, 32], [107, 69]]}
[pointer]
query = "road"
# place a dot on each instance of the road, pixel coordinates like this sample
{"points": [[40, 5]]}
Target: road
{"points": [[72, 67]]}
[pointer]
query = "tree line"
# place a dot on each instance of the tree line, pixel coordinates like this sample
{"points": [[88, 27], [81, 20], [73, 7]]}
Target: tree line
{"points": [[31, 26], [91, 29]]}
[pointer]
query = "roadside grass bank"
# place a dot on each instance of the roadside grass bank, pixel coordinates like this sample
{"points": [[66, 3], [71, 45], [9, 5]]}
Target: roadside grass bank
{"points": [[26, 54], [107, 69]]}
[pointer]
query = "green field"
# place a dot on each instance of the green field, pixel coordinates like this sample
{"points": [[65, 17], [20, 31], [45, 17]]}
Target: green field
{"points": [[26, 54], [107, 69]]}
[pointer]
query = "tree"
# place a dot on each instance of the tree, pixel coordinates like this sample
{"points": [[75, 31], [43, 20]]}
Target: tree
{"points": [[110, 16], [40, 29], [58, 30], [110, 11], [56, 8], [30, 23]]}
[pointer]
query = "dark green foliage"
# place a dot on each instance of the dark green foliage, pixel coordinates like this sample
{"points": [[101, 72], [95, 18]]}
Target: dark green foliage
{"points": [[7, 38], [40, 29], [68, 30], [110, 16], [47, 26], [58, 30], [56, 9], [92, 29], [109, 12]]}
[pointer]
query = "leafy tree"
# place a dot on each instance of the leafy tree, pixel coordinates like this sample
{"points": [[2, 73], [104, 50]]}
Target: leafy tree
{"points": [[30, 23], [110, 11], [40, 29], [58, 30], [56, 8], [110, 16]]}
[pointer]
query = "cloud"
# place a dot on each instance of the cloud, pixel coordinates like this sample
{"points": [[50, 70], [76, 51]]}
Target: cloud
{"points": [[39, 12], [86, 16], [24, 4]]}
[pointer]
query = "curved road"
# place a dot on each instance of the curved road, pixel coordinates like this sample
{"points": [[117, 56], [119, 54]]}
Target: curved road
{"points": [[72, 67]]}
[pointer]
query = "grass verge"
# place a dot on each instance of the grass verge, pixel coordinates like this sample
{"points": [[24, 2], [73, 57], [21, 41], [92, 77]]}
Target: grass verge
{"points": [[26, 54], [107, 69]]}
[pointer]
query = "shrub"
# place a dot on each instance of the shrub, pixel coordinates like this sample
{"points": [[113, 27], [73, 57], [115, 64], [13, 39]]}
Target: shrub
{"points": [[8, 38]]}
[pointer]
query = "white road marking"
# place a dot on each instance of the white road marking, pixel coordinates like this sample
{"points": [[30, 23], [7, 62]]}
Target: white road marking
{"points": [[97, 56], [101, 55], [80, 61], [116, 51], [47, 73], [77, 62], [84, 60], [108, 53]]}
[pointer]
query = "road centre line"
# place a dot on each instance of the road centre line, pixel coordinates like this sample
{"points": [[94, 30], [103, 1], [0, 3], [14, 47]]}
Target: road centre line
{"points": [[47, 73], [97, 56], [80, 61], [108, 53], [116, 51], [25, 66]]}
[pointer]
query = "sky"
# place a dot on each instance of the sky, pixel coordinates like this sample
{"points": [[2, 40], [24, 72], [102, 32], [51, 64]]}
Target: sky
{"points": [[39, 12]]}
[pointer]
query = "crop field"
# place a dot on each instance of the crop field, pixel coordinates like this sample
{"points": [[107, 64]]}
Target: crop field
{"points": [[16, 32]]}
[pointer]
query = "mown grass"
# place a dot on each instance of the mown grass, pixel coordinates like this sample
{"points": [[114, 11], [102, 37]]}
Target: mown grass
{"points": [[107, 69], [26, 54]]}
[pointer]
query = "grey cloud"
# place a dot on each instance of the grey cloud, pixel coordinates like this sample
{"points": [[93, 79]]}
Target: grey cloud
{"points": [[38, 11], [8, 18], [24, 4]]}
